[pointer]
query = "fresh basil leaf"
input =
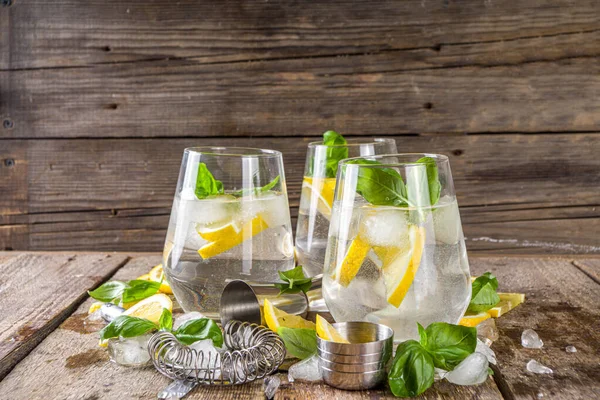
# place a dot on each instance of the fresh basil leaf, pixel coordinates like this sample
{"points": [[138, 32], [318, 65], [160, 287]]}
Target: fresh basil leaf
{"points": [[422, 335], [334, 154], [166, 320], [412, 370], [301, 343], [126, 326], [380, 186], [199, 329], [108, 291], [484, 296], [448, 344], [435, 187], [139, 290], [206, 184], [295, 281], [257, 190]]}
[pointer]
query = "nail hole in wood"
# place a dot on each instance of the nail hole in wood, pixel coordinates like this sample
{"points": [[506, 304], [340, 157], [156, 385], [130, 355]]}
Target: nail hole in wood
{"points": [[114, 212], [9, 162], [107, 48], [8, 248], [437, 47], [457, 152], [112, 106], [428, 106], [6, 3], [8, 124]]}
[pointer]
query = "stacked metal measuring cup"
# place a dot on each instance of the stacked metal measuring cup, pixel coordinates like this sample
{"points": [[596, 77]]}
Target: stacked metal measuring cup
{"points": [[360, 364]]}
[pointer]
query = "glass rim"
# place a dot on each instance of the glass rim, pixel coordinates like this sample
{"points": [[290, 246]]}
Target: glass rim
{"points": [[233, 151], [439, 159], [351, 142]]}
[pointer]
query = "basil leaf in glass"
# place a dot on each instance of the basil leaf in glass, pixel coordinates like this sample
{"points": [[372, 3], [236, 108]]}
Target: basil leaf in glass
{"points": [[484, 296], [295, 281], [412, 370], [301, 343], [206, 184], [334, 154], [435, 187], [258, 190], [380, 186]]}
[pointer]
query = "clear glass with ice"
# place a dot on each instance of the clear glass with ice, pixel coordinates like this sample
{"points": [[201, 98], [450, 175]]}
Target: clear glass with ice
{"points": [[243, 231], [396, 253]]}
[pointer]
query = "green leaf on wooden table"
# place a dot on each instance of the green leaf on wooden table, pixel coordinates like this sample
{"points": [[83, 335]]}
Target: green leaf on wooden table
{"points": [[126, 326], [206, 184], [380, 186], [334, 154], [166, 320], [448, 344], [484, 296], [138, 290], [435, 187], [199, 329], [295, 281], [108, 291], [301, 343], [412, 370], [257, 190]]}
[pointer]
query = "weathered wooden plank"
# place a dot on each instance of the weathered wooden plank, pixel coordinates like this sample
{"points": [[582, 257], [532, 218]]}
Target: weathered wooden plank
{"points": [[70, 360], [301, 96], [67, 33], [563, 306], [117, 194], [39, 291], [590, 267]]}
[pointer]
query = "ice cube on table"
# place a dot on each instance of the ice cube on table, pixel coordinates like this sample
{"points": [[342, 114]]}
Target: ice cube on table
{"points": [[270, 386], [571, 349], [130, 352], [473, 370], [182, 319], [306, 370], [537, 368], [487, 331], [531, 340], [486, 351], [385, 227]]}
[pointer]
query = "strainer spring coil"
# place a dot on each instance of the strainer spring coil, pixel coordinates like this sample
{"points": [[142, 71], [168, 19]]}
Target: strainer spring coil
{"points": [[253, 352]]}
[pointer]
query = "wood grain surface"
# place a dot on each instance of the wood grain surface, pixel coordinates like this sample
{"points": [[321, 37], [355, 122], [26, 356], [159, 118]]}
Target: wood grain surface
{"points": [[116, 89], [562, 305], [38, 292], [544, 200]]}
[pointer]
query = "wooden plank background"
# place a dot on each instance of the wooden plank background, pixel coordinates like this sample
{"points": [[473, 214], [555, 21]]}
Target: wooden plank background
{"points": [[99, 98]]}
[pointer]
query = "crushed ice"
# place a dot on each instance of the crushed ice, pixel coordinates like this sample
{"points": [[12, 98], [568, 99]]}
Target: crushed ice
{"points": [[537, 368], [531, 340], [306, 370]]}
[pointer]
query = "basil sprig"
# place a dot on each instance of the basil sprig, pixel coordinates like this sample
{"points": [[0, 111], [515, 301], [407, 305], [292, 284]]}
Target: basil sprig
{"points": [[334, 154], [483, 295], [441, 345], [258, 190], [385, 187], [117, 291], [295, 281], [126, 326], [206, 184], [301, 343]]}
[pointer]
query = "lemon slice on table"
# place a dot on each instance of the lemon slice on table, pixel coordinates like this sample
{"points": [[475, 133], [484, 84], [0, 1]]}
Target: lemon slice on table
{"points": [[150, 308], [326, 331], [276, 318], [508, 301], [95, 307], [229, 236], [353, 260], [324, 189], [399, 274], [156, 274], [474, 319]]}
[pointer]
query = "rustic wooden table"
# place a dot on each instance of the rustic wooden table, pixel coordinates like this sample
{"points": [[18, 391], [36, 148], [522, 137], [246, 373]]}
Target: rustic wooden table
{"points": [[46, 353]]}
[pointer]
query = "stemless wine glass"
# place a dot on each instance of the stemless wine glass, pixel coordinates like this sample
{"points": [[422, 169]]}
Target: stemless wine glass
{"points": [[316, 199], [230, 220], [396, 253]]}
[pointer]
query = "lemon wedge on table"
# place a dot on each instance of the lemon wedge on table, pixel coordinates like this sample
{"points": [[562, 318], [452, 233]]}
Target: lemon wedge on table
{"points": [[400, 273], [326, 331], [150, 308], [156, 274], [475, 319], [508, 301], [323, 189], [228, 236], [276, 318]]}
